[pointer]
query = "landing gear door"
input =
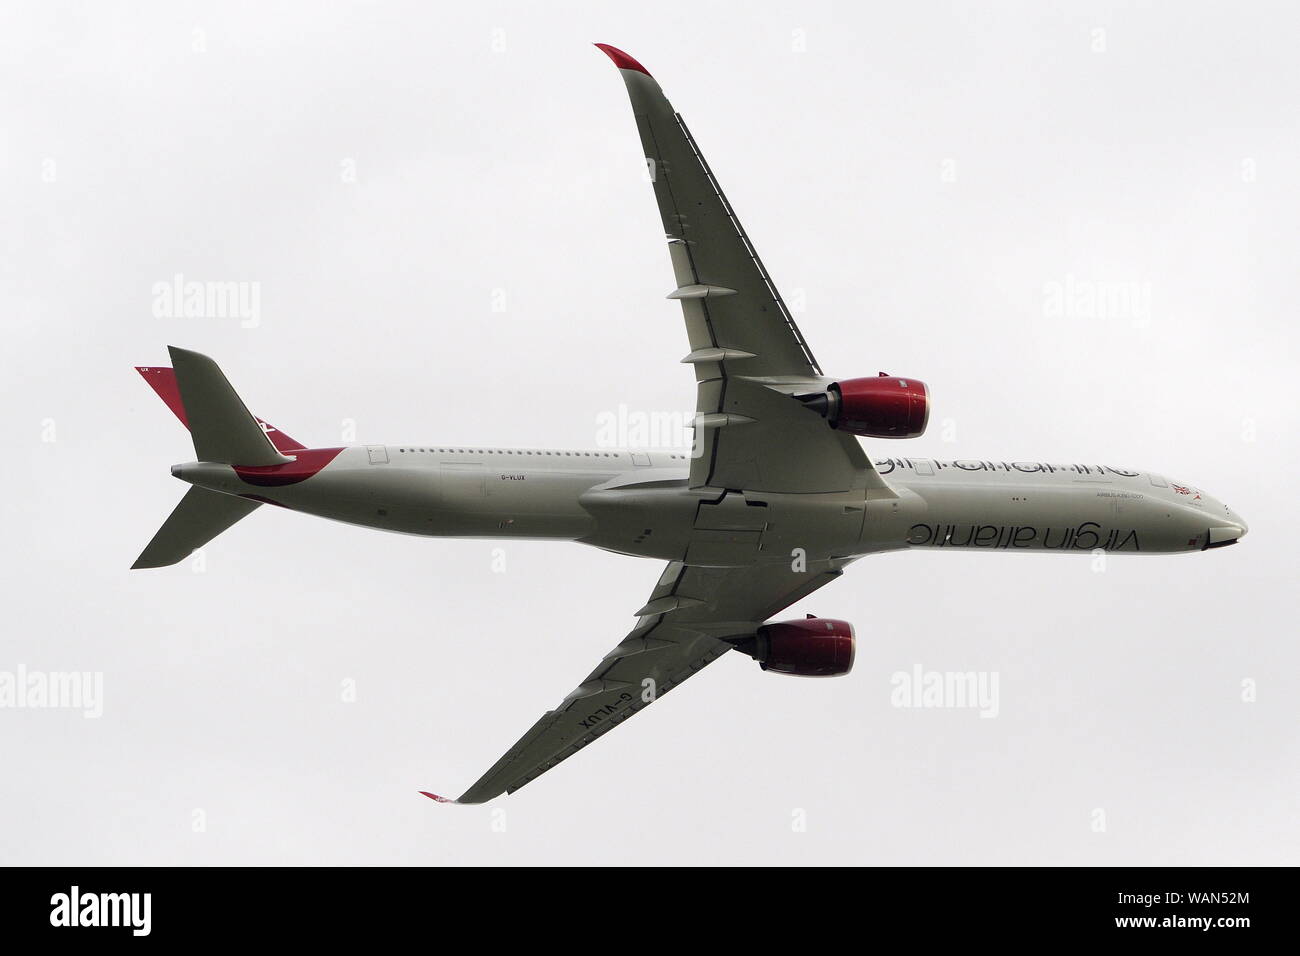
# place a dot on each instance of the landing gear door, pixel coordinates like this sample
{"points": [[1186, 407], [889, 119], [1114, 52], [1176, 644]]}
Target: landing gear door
{"points": [[732, 513], [727, 532]]}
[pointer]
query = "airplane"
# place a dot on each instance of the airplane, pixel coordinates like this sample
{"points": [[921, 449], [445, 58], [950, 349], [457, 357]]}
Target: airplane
{"points": [[773, 502]]}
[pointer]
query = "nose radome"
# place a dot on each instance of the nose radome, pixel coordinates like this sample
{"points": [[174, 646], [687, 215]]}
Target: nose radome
{"points": [[1233, 518]]}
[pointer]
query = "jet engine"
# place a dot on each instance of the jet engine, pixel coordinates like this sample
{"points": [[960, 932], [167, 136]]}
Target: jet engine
{"points": [[886, 406], [813, 647]]}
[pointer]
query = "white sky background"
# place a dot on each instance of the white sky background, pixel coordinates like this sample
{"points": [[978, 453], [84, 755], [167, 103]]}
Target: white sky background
{"points": [[1167, 160]]}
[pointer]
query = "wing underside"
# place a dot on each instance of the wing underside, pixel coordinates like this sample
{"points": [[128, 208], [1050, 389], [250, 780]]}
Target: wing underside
{"points": [[680, 631], [745, 347]]}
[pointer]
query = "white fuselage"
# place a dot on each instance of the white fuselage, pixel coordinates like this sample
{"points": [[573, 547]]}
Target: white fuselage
{"points": [[639, 503]]}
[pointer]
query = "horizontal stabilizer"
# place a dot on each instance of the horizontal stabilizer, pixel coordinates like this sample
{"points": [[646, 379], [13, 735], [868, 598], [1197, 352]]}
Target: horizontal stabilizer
{"points": [[200, 517]]}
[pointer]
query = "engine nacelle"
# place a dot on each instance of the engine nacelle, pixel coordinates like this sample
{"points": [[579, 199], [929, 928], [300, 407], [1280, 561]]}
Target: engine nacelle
{"points": [[813, 647], [886, 406]]}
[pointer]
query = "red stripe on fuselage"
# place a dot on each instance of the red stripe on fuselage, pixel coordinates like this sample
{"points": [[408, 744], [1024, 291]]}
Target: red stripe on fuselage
{"points": [[308, 462]]}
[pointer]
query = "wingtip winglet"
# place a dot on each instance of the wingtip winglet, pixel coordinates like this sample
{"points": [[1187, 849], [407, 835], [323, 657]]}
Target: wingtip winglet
{"points": [[621, 59], [435, 798]]}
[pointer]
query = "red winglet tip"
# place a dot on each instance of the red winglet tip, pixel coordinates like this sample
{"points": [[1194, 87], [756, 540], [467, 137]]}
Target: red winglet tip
{"points": [[435, 797], [621, 59]]}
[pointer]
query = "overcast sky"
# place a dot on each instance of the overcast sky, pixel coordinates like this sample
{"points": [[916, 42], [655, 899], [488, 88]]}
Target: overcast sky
{"points": [[443, 213]]}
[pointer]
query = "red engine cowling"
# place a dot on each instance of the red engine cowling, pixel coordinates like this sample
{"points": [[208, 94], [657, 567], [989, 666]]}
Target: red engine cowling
{"points": [[813, 647], [883, 407]]}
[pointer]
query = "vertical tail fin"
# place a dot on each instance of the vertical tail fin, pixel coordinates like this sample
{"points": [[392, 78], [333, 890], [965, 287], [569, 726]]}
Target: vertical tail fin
{"points": [[163, 382], [223, 431], [221, 426]]}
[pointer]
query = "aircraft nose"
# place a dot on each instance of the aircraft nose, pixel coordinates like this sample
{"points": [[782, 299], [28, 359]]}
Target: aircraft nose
{"points": [[1226, 526], [1231, 530], [1232, 517]]}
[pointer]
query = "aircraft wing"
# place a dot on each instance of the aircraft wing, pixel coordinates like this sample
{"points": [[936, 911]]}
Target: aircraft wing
{"points": [[679, 632], [745, 346]]}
